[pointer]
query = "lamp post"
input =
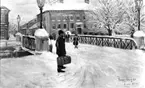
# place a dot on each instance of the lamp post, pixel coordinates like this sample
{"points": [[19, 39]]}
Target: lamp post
{"points": [[68, 19], [18, 20], [139, 3], [40, 4]]}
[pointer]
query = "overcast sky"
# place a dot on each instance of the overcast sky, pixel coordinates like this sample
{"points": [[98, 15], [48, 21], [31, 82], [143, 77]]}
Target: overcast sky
{"points": [[27, 9]]}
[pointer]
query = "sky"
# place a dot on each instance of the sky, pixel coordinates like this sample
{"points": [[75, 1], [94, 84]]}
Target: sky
{"points": [[28, 9]]}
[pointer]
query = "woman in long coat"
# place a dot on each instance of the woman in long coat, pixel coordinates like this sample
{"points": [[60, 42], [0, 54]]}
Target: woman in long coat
{"points": [[60, 44], [60, 48]]}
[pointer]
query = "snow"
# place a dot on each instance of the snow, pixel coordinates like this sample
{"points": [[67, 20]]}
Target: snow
{"points": [[139, 34], [11, 42], [41, 33], [91, 67], [18, 33], [68, 5], [68, 32]]}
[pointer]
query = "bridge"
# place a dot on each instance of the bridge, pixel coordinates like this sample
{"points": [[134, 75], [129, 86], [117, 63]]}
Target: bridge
{"points": [[29, 42]]}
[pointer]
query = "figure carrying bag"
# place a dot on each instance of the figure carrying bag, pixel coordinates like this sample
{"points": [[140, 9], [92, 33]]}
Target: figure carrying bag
{"points": [[63, 60]]}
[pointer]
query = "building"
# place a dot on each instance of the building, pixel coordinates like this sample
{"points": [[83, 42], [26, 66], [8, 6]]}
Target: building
{"points": [[4, 23], [29, 27], [67, 20], [68, 15]]}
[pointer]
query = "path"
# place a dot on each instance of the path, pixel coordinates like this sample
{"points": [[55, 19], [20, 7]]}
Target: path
{"points": [[91, 67]]}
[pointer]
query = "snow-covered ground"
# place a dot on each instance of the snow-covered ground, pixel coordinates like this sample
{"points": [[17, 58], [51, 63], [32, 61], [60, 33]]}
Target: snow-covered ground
{"points": [[11, 42], [91, 67]]}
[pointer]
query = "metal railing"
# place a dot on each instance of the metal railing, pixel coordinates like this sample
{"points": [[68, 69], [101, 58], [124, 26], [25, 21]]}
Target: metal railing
{"points": [[109, 41], [29, 42]]}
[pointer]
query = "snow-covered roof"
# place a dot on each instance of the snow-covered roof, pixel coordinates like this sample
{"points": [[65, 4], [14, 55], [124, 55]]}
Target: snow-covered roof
{"points": [[68, 5]]}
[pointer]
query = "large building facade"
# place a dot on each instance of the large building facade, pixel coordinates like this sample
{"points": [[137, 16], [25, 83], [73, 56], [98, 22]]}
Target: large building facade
{"points": [[66, 20], [4, 23]]}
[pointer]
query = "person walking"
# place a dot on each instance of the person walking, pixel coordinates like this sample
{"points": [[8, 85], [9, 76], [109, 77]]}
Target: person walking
{"points": [[75, 41], [67, 37], [60, 48], [50, 43]]}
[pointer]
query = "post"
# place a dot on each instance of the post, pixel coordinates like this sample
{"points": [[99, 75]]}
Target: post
{"points": [[18, 27], [41, 17], [18, 19], [139, 18], [68, 21]]}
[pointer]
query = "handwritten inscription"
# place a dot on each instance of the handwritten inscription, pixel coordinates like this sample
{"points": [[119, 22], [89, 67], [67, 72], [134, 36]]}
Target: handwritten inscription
{"points": [[128, 81]]}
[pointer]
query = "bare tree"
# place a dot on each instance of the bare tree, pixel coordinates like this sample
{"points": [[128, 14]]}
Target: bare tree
{"points": [[12, 28], [109, 13], [132, 14]]}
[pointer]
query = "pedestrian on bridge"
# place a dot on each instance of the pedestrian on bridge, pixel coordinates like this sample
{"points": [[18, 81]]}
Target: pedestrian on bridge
{"points": [[50, 43], [75, 41]]}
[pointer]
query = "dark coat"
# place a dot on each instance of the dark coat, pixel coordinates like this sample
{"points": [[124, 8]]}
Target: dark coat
{"points": [[60, 46], [75, 40]]}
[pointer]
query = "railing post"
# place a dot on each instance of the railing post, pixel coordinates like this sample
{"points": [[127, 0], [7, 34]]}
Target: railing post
{"points": [[41, 42], [139, 36]]}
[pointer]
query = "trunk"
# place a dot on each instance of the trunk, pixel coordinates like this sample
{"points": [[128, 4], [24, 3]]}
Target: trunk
{"points": [[109, 32]]}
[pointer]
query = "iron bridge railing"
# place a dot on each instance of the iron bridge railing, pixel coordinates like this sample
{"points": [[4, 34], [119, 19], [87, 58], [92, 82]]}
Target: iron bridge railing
{"points": [[29, 42], [109, 41]]}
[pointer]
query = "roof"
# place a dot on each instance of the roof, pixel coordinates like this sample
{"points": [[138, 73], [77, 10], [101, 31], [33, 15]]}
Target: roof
{"points": [[68, 5], [34, 26], [3, 7]]}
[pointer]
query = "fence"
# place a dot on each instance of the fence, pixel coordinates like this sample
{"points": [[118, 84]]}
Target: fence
{"points": [[116, 42], [122, 43], [29, 42]]}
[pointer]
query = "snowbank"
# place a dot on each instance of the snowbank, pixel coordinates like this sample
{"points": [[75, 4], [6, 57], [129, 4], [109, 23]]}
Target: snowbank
{"points": [[29, 72], [139, 34], [41, 33]]}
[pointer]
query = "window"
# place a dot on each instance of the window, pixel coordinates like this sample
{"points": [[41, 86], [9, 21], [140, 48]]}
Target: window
{"points": [[85, 26], [54, 26], [64, 26], [78, 17], [53, 18], [72, 25], [87, 1], [59, 26], [79, 25], [84, 17], [71, 17]]}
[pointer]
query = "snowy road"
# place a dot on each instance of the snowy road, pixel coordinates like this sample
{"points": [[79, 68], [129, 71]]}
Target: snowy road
{"points": [[91, 67]]}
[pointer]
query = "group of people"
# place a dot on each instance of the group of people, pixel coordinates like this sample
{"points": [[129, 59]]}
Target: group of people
{"points": [[60, 47]]}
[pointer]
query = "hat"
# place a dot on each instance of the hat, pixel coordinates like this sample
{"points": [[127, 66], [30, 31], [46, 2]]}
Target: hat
{"points": [[60, 32]]}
